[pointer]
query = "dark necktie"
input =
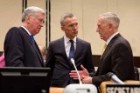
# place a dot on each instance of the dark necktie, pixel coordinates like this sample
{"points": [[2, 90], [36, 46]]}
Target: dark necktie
{"points": [[32, 38], [33, 42], [34, 45], [71, 52]]}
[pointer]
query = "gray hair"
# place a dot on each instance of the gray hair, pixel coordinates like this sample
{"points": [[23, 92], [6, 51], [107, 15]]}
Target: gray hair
{"points": [[67, 15], [110, 16], [31, 10]]}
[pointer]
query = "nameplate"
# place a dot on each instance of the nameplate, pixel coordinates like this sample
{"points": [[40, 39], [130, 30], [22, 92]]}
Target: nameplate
{"points": [[125, 88]]}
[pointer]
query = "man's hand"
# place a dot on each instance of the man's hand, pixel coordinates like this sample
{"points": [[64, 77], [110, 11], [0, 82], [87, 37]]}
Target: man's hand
{"points": [[87, 80], [83, 73]]}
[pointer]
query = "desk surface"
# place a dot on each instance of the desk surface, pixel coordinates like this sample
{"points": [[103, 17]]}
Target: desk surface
{"points": [[56, 90]]}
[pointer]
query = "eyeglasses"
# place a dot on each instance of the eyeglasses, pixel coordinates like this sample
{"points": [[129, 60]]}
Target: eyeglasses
{"points": [[39, 19]]}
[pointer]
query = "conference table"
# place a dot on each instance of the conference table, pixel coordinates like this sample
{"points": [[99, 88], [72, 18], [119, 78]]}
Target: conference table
{"points": [[56, 90], [102, 86]]}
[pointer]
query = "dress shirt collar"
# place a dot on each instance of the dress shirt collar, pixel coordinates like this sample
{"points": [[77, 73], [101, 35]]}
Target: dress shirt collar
{"points": [[68, 44], [110, 38], [26, 30], [66, 39]]}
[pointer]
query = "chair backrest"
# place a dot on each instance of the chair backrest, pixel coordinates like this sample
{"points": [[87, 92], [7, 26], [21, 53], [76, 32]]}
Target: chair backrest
{"points": [[136, 71]]}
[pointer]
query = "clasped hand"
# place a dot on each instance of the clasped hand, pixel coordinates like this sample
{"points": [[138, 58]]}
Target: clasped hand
{"points": [[84, 75]]}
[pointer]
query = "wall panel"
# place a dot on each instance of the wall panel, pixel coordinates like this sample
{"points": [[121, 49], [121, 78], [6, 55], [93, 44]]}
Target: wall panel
{"points": [[10, 16], [87, 12], [58, 8]]}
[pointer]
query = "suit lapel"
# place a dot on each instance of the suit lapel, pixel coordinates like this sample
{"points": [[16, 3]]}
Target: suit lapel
{"points": [[106, 53], [37, 51], [68, 64], [110, 44], [62, 45], [78, 48]]}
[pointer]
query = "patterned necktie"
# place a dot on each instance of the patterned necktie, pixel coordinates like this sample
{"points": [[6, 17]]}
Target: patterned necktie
{"points": [[71, 52], [35, 46], [33, 43], [104, 47], [32, 38]]}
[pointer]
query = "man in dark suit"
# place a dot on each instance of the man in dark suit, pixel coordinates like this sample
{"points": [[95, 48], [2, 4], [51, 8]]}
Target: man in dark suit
{"points": [[59, 53], [20, 47], [117, 57]]}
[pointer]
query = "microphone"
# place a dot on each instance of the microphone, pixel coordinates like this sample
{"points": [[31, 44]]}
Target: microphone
{"points": [[73, 62], [114, 78], [79, 88]]}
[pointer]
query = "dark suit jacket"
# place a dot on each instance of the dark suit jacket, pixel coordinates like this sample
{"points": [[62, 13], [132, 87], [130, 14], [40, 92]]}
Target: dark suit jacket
{"points": [[19, 50], [118, 59], [59, 62]]}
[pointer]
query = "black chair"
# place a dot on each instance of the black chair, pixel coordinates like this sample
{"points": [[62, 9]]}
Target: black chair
{"points": [[136, 73]]}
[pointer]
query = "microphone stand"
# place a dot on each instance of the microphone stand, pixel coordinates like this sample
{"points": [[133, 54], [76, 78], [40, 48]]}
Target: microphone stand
{"points": [[72, 61]]}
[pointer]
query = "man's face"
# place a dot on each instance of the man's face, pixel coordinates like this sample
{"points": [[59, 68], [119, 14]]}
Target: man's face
{"points": [[36, 22], [70, 27], [103, 29]]}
